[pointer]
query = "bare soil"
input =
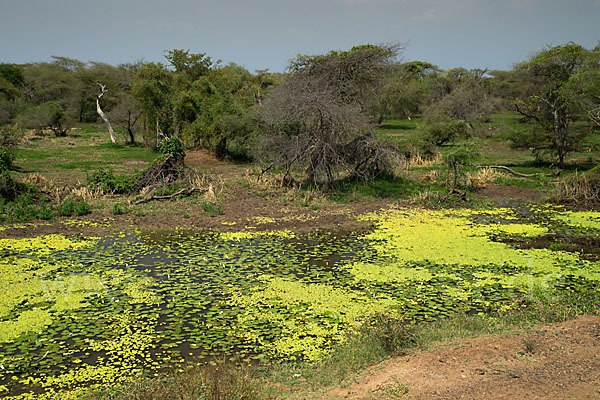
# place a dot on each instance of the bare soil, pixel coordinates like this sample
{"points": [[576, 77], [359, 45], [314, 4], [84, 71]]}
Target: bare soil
{"points": [[560, 361]]}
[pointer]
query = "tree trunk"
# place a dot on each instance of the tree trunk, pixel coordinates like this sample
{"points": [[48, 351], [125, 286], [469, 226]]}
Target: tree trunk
{"points": [[113, 138]]}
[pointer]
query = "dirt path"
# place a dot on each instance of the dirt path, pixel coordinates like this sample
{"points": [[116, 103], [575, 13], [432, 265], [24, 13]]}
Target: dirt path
{"points": [[560, 361]]}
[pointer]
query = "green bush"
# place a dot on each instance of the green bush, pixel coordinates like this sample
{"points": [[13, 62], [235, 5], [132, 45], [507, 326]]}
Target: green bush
{"points": [[7, 156], [212, 209], [8, 187], [106, 180], [119, 209], [441, 133], [81, 208], [66, 208], [172, 147]]}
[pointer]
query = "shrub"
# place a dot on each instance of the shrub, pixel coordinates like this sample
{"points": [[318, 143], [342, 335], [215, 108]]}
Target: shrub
{"points": [[394, 334], [8, 187], [7, 156], [66, 208], [212, 209], [460, 157], [441, 133], [70, 207], [81, 208], [172, 147], [106, 180], [119, 209]]}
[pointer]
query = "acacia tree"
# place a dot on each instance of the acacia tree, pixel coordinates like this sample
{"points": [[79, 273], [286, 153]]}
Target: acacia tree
{"points": [[318, 118], [553, 106]]}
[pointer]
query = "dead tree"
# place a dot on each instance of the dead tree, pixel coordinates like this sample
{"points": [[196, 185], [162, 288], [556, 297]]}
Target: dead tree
{"points": [[103, 90]]}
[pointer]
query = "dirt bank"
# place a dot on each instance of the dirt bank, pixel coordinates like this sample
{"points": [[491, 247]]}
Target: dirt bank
{"points": [[560, 361]]}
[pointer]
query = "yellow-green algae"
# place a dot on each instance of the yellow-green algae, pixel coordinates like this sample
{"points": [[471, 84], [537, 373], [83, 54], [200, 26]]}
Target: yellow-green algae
{"points": [[580, 219], [42, 244], [282, 234], [22, 281], [273, 294], [304, 333]]}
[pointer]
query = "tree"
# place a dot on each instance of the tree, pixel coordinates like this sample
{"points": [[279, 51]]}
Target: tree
{"points": [[152, 90], [458, 158], [102, 115], [11, 85], [404, 92], [585, 86], [318, 119], [467, 99], [192, 65], [553, 106], [124, 111]]}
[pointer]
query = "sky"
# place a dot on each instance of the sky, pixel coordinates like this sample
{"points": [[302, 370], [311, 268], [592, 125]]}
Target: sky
{"points": [[260, 34]]}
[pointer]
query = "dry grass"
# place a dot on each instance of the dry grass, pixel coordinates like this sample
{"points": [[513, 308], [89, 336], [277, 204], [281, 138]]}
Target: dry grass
{"points": [[430, 176], [483, 177], [86, 194], [581, 190], [416, 160], [425, 196]]}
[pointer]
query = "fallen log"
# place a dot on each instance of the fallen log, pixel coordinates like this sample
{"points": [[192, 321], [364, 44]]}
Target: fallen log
{"points": [[182, 192], [512, 171]]}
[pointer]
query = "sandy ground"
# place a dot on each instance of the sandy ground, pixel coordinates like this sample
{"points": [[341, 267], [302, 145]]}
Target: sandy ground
{"points": [[560, 361]]}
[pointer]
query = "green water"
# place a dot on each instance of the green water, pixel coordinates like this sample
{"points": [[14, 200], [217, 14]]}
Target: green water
{"points": [[76, 313]]}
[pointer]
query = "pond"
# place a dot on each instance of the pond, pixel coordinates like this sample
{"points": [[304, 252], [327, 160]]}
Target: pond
{"points": [[81, 312]]}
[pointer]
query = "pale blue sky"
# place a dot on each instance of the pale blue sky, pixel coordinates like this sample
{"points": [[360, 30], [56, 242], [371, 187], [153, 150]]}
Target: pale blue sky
{"points": [[268, 33]]}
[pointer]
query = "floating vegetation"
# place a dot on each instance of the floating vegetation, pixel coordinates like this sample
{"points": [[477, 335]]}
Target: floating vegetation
{"points": [[89, 313]]}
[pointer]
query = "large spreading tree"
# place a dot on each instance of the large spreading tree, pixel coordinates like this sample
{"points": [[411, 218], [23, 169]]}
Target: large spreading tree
{"points": [[319, 119]]}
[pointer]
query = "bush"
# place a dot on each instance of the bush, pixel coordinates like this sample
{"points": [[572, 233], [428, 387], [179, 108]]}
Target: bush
{"points": [[70, 207], [395, 335], [212, 209], [7, 157], [81, 208], [106, 180], [119, 209], [441, 133], [8, 187], [459, 157], [8, 142], [172, 147]]}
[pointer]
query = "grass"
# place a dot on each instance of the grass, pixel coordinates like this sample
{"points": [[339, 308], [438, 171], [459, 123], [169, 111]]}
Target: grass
{"points": [[85, 149]]}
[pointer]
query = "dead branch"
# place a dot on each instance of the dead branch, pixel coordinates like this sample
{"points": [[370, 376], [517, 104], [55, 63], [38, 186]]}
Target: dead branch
{"points": [[512, 171], [182, 192]]}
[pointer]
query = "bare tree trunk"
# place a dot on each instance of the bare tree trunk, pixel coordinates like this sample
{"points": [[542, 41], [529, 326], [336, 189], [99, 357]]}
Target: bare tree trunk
{"points": [[113, 138]]}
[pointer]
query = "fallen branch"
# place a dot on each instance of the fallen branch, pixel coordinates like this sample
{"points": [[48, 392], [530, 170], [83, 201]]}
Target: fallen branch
{"points": [[512, 171], [182, 192]]}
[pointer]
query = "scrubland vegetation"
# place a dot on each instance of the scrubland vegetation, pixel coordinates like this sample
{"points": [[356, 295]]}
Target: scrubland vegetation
{"points": [[195, 230]]}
